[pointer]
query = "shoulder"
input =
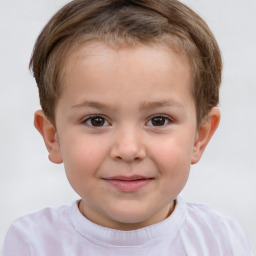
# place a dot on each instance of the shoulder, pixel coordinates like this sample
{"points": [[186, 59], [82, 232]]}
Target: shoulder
{"points": [[26, 231], [209, 227], [205, 215], [45, 217]]}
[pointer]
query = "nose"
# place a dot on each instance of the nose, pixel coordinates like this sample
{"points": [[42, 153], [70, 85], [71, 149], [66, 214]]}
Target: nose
{"points": [[128, 146]]}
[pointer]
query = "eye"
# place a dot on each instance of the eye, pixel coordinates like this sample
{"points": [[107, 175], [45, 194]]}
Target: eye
{"points": [[96, 121], [159, 121]]}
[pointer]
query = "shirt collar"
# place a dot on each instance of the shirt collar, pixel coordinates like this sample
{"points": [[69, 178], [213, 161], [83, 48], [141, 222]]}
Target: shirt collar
{"points": [[112, 237]]}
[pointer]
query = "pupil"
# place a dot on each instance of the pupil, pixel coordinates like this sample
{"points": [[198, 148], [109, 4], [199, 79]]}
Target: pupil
{"points": [[158, 121], [97, 121]]}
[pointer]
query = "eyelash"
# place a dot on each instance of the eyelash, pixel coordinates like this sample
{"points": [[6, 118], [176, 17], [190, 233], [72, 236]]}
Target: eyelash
{"points": [[90, 118], [167, 120], [88, 121]]}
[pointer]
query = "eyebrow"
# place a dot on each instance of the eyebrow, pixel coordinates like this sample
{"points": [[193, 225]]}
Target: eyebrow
{"points": [[162, 103], [93, 104], [143, 106]]}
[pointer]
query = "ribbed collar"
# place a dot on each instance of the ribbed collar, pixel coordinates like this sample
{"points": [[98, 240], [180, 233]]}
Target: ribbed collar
{"points": [[112, 237]]}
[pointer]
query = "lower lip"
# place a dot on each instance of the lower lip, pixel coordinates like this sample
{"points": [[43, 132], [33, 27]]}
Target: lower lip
{"points": [[129, 185]]}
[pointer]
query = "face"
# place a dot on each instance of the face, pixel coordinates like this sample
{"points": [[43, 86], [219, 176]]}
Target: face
{"points": [[126, 130]]}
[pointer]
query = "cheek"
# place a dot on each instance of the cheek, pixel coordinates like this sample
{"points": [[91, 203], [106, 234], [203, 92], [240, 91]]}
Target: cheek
{"points": [[82, 156], [172, 159], [173, 152], [174, 169]]}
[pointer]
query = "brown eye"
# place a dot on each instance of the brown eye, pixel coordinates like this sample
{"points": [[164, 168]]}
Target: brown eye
{"points": [[96, 121], [158, 121]]}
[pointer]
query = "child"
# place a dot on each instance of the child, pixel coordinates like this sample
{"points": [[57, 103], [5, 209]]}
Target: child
{"points": [[129, 92]]}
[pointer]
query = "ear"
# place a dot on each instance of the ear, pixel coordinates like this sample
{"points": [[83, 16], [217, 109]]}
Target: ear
{"points": [[49, 134], [204, 133]]}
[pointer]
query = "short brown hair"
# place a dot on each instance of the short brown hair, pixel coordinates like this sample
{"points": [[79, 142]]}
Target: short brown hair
{"points": [[120, 22]]}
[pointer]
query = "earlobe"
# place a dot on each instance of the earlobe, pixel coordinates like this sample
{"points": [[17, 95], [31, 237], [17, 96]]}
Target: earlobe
{"points": [[49, 134], [204, 133]]}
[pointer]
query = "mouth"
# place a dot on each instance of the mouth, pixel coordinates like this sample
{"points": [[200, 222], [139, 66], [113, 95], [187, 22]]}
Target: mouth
{"points": [[128, 183]]}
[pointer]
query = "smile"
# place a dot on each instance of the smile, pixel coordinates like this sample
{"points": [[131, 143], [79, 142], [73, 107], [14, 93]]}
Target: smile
{"points": [[128, 184]]}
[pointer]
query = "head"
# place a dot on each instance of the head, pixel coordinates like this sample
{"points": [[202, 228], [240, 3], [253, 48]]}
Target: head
{"points": [[126, 23], [128, 91]]}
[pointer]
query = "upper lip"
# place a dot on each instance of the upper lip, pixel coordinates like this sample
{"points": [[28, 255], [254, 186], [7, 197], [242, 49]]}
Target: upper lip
{"points": [[128, 178]]}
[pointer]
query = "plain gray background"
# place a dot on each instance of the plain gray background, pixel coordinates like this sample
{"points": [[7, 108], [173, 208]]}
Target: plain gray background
{"points": [[225, 177]]}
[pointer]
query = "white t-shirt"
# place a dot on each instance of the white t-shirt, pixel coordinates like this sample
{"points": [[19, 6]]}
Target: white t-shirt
{"points": [[192, 229]]}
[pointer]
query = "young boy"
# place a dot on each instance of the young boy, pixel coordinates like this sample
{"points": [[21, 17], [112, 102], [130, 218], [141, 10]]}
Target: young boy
{"points": [[129, 93]]}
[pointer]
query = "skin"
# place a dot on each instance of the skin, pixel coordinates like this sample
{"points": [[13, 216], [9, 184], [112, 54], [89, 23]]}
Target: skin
{"points": [[145, 126]]}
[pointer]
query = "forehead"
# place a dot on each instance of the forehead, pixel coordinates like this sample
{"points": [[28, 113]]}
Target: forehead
{"points": [[95, 53], [96, 66]]}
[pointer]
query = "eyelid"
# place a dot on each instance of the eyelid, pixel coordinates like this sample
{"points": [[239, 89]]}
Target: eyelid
{"points": [[167, 117], [84, 120]]}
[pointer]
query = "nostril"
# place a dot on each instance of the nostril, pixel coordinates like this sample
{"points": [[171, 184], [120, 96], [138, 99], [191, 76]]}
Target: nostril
{"points": [[128, 156], [128, 159]]}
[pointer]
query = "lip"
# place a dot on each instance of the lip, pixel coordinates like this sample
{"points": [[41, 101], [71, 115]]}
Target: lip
{"points": [[128, 183]]}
